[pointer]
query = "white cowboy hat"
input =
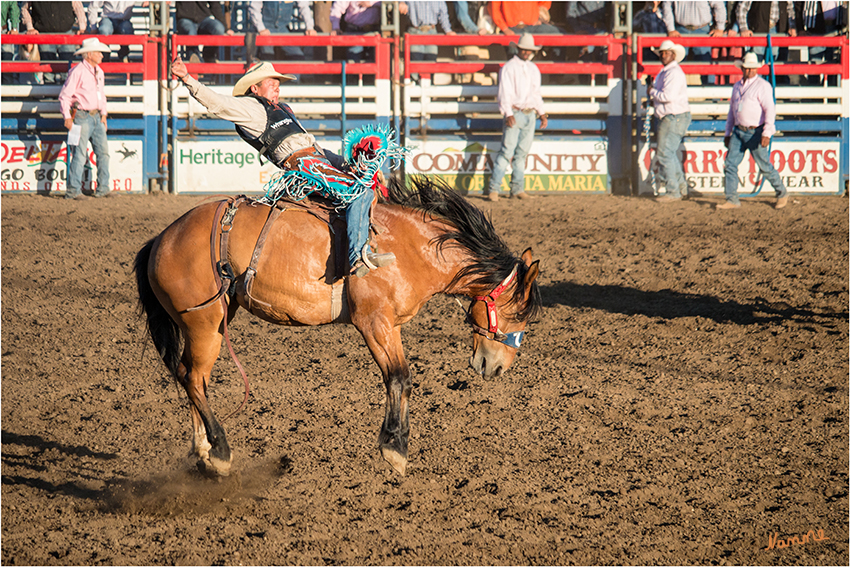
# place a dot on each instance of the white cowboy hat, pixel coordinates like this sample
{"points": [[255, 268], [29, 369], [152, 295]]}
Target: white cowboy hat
{"points": [[678, 50], [751, 61], [258, 73], [526, 41], [92, 44]]}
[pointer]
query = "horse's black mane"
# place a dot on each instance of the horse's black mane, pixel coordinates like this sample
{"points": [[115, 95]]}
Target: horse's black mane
{"points": [[492, 260]]}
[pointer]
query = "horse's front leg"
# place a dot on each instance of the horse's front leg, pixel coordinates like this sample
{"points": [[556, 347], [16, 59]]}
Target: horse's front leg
{"points": [[385, 345]]}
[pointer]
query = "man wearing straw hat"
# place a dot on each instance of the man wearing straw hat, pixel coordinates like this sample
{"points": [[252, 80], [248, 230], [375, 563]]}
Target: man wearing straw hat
{"points": [[520, 102], [271, 127], [82, 102], [669, 95], [749, 126]]}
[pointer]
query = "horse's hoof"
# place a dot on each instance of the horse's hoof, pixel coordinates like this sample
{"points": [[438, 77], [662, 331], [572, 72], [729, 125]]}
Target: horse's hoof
{"points": [[213, 467], [395, 460]]}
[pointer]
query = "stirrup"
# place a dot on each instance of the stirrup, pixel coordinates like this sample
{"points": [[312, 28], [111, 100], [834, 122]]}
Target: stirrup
{"points": [[373, 260], [360, 269]]}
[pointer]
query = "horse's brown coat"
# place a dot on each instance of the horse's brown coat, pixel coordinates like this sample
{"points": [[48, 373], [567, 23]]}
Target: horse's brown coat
{"points": [[293, 286]]}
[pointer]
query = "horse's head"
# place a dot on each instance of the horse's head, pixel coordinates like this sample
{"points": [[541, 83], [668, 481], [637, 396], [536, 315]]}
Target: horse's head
{"points": [[499, 319]]}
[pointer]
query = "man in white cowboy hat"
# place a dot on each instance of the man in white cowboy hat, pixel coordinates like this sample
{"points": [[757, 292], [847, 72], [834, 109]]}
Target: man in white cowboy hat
{"points": [[669, 95], [82, 102], [520, 102], [749, 126], [272, 128]]}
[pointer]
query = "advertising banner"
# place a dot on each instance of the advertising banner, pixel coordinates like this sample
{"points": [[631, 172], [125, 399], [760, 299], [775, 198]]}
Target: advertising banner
{"points": [[805, 167], [224, 166], [40, 166], [552, 166]]}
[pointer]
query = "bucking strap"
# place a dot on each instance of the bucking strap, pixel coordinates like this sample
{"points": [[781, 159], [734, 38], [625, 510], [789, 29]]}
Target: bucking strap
{"points": [[251, 272], [222, 271]]}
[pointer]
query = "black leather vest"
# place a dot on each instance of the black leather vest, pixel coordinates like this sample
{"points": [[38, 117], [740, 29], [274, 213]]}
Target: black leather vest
{"points": [[280, 125]]}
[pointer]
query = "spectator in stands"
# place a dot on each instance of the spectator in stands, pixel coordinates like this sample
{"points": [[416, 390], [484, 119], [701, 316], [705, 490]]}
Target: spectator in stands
{"points": [[525, 18], [648, 20], [275, 18], [356, 17], [728, 54], [424, 17], [669, 94], [588, 18], [520, 102], [463, 15], [11, 16], [522, 17], [82, 102], [201, 18], [749, 126], [107, 18], [696, 18], [822, 18], [54, 17], [766, 18], [271, 127], [322, 24]]}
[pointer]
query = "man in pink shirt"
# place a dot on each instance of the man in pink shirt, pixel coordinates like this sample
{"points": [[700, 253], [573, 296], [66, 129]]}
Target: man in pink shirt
{"points": [[520, 102], [83, 103], [749, 126], [669, 94]]}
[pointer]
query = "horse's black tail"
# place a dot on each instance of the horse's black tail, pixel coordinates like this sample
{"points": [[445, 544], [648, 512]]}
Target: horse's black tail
{"points": [[163, 330]]}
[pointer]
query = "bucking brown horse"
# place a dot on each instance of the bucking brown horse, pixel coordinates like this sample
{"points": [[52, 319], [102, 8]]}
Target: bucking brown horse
{"points": [[279, 263]]}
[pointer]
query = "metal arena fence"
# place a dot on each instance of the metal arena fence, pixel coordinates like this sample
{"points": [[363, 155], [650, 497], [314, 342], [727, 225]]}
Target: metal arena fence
{"points": [[445, 109]]}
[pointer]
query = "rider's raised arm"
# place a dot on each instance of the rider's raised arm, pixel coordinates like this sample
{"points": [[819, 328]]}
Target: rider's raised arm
{"points": [[243, 111]]}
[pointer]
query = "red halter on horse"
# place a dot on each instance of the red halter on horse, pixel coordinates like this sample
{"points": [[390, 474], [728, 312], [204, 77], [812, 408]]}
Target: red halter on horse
{"points": [[442, 244]]}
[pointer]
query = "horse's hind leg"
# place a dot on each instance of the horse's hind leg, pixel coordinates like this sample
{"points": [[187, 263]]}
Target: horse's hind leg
{"points": [[209, 441]]}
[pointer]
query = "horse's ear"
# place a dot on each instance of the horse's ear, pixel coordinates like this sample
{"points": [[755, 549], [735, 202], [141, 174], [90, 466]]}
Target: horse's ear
{"points": [[526, 256], [533, 271]]}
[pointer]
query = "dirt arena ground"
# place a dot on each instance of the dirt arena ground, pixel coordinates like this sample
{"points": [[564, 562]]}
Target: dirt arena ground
{"points": [[682, 399]]}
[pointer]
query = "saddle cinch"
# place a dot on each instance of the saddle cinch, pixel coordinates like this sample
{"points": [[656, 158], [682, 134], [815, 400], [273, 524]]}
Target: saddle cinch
{"points": [[320, 207]]}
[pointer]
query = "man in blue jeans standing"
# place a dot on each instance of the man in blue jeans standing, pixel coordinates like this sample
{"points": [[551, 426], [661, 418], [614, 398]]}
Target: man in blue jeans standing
{"points": [[669, 95], [83, 104], [749, 126], [520, 102]]}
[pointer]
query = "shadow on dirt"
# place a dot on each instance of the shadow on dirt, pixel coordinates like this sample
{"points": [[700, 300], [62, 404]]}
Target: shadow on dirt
{"points": [[668, 304], [183, 491]]}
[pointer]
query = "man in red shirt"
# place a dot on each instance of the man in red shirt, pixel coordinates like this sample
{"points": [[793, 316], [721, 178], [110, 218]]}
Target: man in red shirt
{"points": [[524, 17]]}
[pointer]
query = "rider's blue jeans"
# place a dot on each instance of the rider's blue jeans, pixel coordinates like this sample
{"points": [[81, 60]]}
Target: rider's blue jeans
{"points": [[357, 219]]}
